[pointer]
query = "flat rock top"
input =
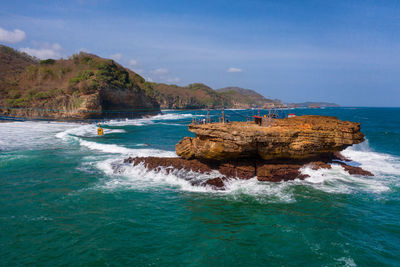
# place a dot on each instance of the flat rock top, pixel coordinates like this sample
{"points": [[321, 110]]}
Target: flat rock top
{"points": [[300, 123]]}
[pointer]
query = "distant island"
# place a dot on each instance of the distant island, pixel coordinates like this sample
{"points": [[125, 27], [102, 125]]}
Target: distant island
{"points": [[313, 105], [86, 86]]}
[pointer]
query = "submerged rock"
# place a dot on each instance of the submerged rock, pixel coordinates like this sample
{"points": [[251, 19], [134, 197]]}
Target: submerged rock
{"points": [[291, 138]]}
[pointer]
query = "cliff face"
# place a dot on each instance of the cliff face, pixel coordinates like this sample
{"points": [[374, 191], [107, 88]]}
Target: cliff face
{"points": [[290, 138], [82, 87]]}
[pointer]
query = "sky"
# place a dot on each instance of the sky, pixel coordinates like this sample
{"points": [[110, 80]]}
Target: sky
{"points": [[347, 52]]}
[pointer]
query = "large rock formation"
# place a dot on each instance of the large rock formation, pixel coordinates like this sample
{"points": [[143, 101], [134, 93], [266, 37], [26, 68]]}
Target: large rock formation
{"points": [[274, 153], [291, 138]]}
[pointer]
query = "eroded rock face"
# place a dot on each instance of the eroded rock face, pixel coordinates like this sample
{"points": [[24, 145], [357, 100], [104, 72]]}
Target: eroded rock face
{"points": [[291, 138]]}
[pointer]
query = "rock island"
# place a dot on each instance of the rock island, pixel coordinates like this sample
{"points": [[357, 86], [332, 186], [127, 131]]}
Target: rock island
{"points": [[269, 149]]}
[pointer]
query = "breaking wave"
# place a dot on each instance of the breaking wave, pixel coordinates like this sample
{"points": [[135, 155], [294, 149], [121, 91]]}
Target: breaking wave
{"points": [[127, 176], [116, 149], [88, 130], [77, 134], [386, 169], [150, 120], [30, 135]]}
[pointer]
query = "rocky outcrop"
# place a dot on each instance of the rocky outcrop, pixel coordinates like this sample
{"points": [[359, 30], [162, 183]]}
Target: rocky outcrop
{"points": [[274, 153], [291, 138], [270, 171]]}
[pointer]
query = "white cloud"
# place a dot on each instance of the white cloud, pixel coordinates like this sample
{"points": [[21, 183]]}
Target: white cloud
{"points": [[163, 75], [141, 72], [11, 36], [132, 62], [44, 50], [160, 71], [116, 56], [173, 80], [231, 69], [84, 50]]}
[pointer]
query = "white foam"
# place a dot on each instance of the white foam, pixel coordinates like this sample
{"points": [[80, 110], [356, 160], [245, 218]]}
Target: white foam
{"points": [[347, 261], [377, 163], [127, 176], [31, 135], [116, 149], [335, 180], [88, 130], [139, 177], [151, 120], [386, 170]]}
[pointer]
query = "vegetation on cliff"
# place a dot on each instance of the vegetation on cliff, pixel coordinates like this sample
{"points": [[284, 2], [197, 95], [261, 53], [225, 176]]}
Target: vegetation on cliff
{"points": [[198, 95], [82, 86], [193, 96], [245, 98], [87, 83]]}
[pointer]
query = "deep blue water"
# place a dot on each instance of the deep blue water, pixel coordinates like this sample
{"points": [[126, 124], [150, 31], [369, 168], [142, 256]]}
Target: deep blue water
{"points": [[61, 203]]}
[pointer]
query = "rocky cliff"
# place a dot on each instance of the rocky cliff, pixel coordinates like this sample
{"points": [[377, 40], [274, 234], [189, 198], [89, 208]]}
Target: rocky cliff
{"points": [[290, 138], [84, 86]]}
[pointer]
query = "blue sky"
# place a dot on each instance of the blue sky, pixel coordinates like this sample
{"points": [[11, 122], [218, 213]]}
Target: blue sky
{"points": [[346, 52]]}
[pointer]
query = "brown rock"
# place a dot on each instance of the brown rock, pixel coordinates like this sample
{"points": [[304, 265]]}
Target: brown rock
{"points": [[316, 165], [291, 138], [215, 183], [240, 169], [356, 170], [339, 156], [279, 172]]}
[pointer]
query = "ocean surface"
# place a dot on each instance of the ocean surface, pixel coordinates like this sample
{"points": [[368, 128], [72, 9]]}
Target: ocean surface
{"points": [[61, 203]]}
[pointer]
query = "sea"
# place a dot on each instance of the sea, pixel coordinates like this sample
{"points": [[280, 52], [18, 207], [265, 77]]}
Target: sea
{"points": [[62, 204]]}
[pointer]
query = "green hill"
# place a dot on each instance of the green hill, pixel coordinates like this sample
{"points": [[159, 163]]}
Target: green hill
{"points": [[83, 86], [193, 96], [245, 98]]}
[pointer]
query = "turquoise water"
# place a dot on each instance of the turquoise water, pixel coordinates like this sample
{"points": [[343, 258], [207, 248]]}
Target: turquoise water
{"points": [[61, 203]]}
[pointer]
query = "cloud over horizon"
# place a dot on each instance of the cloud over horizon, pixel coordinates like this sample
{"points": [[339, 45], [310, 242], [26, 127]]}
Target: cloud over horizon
{"points": [[116, 56], [160, 71], [133, 62], [44, 50], [232, 69], [11, 36]]}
